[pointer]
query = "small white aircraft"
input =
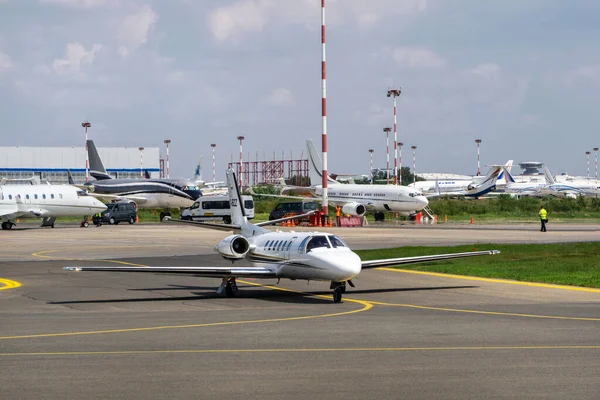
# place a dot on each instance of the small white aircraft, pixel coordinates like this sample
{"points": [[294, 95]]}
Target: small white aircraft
{"points": [[475, 188], [45, 201], [311, 256]]}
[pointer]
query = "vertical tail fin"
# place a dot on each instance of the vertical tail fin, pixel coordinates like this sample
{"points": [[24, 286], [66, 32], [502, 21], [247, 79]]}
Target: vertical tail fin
{"points": [[315, 165], [507, 176], [549, 178], [236, 205], [97, 169], [70, 178]]}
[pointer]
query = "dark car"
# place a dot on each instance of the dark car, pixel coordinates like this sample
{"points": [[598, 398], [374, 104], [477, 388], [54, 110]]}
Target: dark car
{"points": [[296, 207], [117, 212]]}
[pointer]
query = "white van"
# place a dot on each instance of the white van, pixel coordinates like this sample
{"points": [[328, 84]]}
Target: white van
{"points": [[207, 208]]}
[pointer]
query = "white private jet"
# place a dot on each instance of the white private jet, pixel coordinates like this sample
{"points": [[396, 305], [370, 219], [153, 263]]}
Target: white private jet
{"points": [[45, 201], [475, 188], [311, 256]]}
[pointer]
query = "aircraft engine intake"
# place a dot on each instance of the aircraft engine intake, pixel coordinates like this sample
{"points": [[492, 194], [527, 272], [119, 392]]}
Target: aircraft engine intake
{"points": [[234, 247], [355, 209]]}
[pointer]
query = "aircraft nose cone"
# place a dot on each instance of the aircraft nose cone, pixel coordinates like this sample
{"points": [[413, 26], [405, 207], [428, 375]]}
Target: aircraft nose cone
{"points": [[346, 265], [422, 201]]}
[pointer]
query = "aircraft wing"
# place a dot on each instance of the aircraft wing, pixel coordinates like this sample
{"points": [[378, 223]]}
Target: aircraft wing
{"points": [[215, 272], [209, 225], [410, 260], [109, 197]]}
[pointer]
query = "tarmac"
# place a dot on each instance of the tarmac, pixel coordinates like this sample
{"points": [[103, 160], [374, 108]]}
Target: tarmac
{"points": [[398, 334]]}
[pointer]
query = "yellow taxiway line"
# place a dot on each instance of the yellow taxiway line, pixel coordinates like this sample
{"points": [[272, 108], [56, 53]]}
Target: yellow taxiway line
{"points": [[8, 284], [493, 280]]}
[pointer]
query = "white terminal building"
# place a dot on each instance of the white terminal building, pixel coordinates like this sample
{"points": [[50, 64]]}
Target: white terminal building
{"points": [[50, 164]]}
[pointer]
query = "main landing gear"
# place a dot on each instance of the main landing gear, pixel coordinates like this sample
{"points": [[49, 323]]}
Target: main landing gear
{"points": [[228, 286], [164, 214], [7, 225]]}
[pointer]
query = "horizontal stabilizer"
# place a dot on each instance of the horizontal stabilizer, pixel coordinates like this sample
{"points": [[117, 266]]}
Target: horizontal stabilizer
{"points": [[248, 272]]}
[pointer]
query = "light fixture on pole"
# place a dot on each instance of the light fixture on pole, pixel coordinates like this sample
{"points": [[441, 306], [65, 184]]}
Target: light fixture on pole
{"points": [[371, 170], [414, 165], [86, 125], [167, 141], [387, 131], [478, 141], [241, 139], [213, 145], [141, 149], [587, 154], [596, 156], [395, 93], [400, 144]]}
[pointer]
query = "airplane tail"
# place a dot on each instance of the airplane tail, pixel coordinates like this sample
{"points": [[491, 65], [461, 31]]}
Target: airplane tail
{"points": [[549, 178], [315, 165], [488, 184], [97, 169], [507, 167], [508, 177], [236, 204], [70, 178]]}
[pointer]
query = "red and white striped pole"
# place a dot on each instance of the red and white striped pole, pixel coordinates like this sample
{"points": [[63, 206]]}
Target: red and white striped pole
{"points": [[167, 141], [478, 141], [414, 148], [400, 144], [596, 154], [587, 153], [395, 93], [213, 145], [86, 125], [324, 205], [241, 139], [141, 149], [387, 131], [371, 170]]}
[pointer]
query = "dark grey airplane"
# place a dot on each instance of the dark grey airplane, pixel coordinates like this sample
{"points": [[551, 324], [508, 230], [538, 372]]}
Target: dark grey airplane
{"points": [[146, 193]]}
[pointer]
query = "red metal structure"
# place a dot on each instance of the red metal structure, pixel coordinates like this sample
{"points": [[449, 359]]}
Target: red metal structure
{"points": [[270, 172]]}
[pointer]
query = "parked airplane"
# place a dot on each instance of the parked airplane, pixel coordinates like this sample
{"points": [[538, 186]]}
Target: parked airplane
{"points": [[45, 201], [461, 188], [356, 200], [571, 190], [146, 193], [311, 256]]}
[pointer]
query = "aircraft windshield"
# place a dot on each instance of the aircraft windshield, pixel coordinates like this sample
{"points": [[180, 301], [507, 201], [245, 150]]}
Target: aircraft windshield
{"points": [[336, 241], [316, 242], [191, 187], [81, 193]]}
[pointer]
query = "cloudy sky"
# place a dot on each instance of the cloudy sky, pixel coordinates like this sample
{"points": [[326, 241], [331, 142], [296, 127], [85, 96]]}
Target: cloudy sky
{"points": [[523, 76]]}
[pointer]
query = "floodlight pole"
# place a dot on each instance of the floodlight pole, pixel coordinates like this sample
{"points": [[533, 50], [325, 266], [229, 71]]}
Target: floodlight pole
{"points": [[371, 170], [241, 139], [596, 155], [414, 166], [395, 93], [141, 149], [587, 154], [400, 144], [86, 125], [167, 141], [478, 141], [387, 131], [324, 173], [213, 145]]}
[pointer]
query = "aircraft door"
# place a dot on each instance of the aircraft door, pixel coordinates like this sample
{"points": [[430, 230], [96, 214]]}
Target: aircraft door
{"points": [[289, 248]]}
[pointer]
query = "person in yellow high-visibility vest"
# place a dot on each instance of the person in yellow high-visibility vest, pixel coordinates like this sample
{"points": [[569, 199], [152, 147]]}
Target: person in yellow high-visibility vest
{"points": [[543, 218], [338, 214]]}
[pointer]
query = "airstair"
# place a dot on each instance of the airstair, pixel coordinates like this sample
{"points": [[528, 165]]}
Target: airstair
{"points": [[429, 212]]}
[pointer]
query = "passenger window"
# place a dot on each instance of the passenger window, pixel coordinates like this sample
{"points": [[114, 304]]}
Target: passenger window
{"points": [[27, 196], [303, 244], [35, 196], [267, 244], [52, 196], [60, 196], [44, 196], [10, 196]]}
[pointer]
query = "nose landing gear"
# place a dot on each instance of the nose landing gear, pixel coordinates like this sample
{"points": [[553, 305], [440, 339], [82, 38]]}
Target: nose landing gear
{"points": [[339, 288]]}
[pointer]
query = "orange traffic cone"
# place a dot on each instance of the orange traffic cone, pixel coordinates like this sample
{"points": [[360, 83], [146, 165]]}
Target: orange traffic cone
{"points": [[472, 220], [137, 219], [292, 223]]}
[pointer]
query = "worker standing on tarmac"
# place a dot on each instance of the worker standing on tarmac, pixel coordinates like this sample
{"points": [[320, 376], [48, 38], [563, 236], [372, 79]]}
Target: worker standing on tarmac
{"points": [[543, 218], [338, 214], [99, 219]]}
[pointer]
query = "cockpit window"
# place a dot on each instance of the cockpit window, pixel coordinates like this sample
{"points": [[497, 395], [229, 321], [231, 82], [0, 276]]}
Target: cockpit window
{"points": [[415, 194], [190, 187], [336, 241], [81, 193], [316, 242]]}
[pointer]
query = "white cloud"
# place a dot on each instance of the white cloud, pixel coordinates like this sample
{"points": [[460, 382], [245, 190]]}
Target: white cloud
{"points": [[243, 16], [75, 56], [135, 29], [414, 57], [487, 72], [584, 73], [76, 3], [5, 62], [280, 97]]}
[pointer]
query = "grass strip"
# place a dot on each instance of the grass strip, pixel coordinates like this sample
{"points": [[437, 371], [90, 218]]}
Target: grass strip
{"points": [[576, 264]]}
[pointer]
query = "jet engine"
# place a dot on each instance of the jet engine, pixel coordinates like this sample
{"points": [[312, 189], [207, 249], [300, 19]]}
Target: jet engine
{"points": [[234, 247], [354, 208]]}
